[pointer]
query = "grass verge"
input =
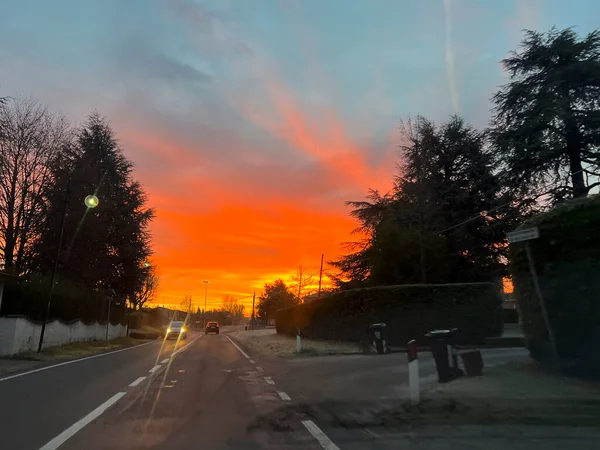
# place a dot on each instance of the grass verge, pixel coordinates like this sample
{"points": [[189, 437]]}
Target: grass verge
{"points": [[75, 350], [268, 342]]}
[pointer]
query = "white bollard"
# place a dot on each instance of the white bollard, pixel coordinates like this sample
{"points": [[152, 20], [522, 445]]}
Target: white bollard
{"points": [[413, 373], [298, 343]]}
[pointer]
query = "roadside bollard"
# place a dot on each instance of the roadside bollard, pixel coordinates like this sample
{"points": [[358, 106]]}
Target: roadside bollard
{"points": [[298, 342], [413, 372]]}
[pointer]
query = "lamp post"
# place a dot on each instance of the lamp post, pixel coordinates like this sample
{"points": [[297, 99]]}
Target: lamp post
{"points": [[91, 201], [205, 296]]}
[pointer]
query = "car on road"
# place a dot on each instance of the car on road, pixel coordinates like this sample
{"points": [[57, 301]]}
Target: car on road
{"points": [[175, 330], [212, 327]]}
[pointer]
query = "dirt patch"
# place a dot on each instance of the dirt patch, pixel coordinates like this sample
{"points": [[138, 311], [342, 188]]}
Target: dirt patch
{"points": [[268, 342]]}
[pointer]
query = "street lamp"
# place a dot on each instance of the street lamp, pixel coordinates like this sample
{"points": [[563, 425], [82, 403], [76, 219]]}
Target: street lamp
{"points": [[91, 201], [205, 295]]}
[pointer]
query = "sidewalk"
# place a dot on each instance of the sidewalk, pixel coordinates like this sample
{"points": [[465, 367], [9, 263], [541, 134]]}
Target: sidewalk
{"points": [[472, 437]]}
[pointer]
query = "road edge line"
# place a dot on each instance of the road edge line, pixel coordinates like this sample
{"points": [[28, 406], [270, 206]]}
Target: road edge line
{"points": [[40, 369], [67, 434], [244, 354], [318, 434]]}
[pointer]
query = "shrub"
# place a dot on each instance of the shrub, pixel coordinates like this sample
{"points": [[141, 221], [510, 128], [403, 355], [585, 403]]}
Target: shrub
{"points": [[410, 311], [567, 261]]}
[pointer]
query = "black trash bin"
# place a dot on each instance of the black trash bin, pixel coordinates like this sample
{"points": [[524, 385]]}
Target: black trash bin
{"points": [[441, 342], [378, 335]]}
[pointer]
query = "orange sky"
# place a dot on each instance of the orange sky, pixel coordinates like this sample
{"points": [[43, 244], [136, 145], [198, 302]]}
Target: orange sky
{"points": [[245, 221]]}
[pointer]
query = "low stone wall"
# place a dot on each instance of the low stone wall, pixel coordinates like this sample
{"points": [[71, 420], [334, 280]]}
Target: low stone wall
{"points": [[20, 334]]}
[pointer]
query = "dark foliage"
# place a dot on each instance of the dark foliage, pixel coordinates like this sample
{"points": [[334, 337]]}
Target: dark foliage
{"points": [[567, 260], [410, 311], [547, 118]]}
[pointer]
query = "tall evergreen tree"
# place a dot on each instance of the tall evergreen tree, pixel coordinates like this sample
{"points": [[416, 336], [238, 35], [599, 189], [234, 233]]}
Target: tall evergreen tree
{"points": [[445, 219], [546, 127], [104, 247]]}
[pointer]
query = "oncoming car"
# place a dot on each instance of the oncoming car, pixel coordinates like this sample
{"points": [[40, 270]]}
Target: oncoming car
{"points": [[175, 330], [212, 327]]}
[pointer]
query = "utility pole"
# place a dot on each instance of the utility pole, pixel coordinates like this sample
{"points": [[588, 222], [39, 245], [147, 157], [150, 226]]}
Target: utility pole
{"points": [[320, 275], [252, 318], [108, 317], [205, 296]]}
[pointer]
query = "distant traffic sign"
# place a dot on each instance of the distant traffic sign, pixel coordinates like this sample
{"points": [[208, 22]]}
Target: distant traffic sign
{"points": [[523, 235]]}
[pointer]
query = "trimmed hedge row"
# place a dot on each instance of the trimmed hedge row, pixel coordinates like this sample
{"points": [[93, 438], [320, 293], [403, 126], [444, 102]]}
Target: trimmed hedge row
{"points": [[70, 301], [410, 311], [567, 261]]}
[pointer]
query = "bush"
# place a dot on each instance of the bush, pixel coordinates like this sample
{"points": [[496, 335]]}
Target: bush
{"points": [[70, 301], [410, 311], [567, 261]]}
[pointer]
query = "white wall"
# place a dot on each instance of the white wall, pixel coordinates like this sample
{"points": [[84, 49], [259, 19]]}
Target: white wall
{"points": [[19, 334]]}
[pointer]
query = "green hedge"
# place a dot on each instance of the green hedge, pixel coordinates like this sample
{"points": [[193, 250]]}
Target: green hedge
{"points": [[70, 301], [567, 260], [410, 311]]}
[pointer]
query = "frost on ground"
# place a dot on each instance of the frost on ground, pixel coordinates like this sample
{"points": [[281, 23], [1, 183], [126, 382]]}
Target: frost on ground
{"points": [[268, 342], [518, 393]]}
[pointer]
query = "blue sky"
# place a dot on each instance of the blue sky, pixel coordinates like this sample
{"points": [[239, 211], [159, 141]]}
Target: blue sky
{"points": [[293, 102]]}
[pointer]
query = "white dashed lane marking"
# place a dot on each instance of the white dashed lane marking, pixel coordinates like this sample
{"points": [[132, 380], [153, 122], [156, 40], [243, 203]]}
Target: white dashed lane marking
{"points": [[155, 368], [260, 369], [136, 382], [252, 361], [77, 426], [164, 361], [284, 396], [318, 434], [269, 380]]}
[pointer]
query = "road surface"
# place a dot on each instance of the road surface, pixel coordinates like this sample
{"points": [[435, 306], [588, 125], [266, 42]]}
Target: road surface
{"points": [[208, 392], [208, 395]]}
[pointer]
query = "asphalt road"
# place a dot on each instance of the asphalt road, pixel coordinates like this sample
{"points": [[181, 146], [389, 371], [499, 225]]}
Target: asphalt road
{"points": [[209, 395], [35, 407]]}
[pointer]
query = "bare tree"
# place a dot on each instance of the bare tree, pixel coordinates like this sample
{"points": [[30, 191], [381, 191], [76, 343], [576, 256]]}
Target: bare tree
{"points": [[233, 308], [148, 289], [302, 282], [31, 142], [186, 304]]}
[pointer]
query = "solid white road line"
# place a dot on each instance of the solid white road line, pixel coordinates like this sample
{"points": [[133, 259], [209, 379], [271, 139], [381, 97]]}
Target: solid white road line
{"points": [[239, 349], [77, 426], [269, 380], [252, 361], [318, 434], [75, 361], [136, 382], [155, 368], [164, 361], [284, 396], [260, 369]]}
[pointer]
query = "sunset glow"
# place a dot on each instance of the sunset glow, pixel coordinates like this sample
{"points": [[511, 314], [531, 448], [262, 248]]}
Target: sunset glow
{"points": [[251, 123]]}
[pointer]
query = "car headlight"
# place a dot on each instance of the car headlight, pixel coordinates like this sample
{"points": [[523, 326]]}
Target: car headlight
{"points": [[168, 330], [182, 330]]}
